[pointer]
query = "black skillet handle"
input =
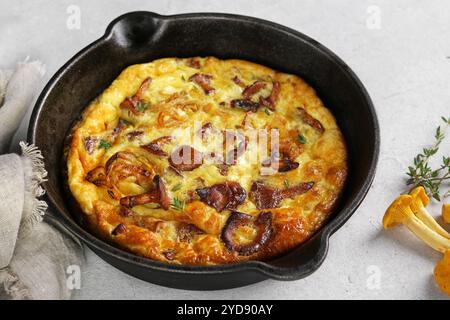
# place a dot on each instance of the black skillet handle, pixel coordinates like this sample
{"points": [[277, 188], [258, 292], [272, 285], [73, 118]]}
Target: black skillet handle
{"points": [[300, 262]]}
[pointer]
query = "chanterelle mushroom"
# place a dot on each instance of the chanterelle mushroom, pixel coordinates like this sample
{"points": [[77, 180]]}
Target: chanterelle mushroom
{"points": [[442, 273], [419, 201], [400, 212], [410, 211], [446, 212]]}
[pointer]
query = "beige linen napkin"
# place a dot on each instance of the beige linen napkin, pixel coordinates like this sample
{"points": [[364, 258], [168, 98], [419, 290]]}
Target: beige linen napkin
{"points": [[34, 255]]}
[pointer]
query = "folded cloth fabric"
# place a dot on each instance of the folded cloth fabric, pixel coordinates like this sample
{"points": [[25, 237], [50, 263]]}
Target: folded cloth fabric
{"points": [[34, 254]]}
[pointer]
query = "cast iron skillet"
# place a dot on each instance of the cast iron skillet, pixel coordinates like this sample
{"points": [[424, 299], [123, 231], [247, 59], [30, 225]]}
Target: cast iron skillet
{"points": [[139, 37]]}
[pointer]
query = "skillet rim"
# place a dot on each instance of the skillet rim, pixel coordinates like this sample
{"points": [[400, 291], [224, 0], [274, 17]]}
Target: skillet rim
{"points": [[263, 267]]}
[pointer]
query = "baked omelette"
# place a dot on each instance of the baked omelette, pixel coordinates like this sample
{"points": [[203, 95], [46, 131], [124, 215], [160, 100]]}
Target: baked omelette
{"points": [[202, 161]]}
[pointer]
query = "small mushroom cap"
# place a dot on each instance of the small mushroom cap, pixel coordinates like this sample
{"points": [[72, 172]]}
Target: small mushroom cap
{"points": [[419, 198], [442, 273], [398, 211], [446, 212]]}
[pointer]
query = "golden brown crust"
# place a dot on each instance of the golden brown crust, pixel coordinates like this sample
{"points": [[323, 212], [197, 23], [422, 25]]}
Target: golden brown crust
{"points": [[113, 154]]}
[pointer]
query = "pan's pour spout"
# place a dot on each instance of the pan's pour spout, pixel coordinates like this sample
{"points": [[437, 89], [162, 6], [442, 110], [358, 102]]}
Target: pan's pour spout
{"points": [[135, 28]]}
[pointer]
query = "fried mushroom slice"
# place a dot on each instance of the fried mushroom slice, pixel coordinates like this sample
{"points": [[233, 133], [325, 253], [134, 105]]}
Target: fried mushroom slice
{"points": [[280, 165], [119, 229], [185, 158], [155, 146], [245, 104], [285, 165], [310, 120], [204, 81], [248, 105], [134, 134], [283, 154], [266, 197], [239, 82], [157, 195], [131, 103], [121, 125], [136, 200], [193, 63], [187, 231], [89, 144], [227, 195], [252, 89], [123, 164], [119, 166], [271, 100], [262, 223], [164, 199], [223, 169], [97, 176], [206, 130], [296, 190]]}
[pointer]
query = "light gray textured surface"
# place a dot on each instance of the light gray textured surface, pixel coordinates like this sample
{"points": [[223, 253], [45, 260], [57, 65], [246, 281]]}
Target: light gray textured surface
{"points": [[405, 66]]}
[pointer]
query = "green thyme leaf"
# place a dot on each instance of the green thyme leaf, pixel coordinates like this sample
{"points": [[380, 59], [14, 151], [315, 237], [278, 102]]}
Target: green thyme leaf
{"points": [[422, 174], [286, 183], [104, 144], [124, 122], [177, 187], [267, 111], [302, 139], [178, 204], [175, 204], [142, 106]]}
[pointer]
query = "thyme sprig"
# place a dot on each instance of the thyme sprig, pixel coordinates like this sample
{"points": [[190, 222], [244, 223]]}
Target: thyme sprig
{"points": [[104, 144], [422, 174], [177, 187], [142, 106], [302, 139], [178, 204]]}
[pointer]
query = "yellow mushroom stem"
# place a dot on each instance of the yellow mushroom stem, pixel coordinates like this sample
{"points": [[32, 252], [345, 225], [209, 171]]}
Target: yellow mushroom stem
{"points": [[427, 235], [400, 212], [419, 201], [426, 218]]}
